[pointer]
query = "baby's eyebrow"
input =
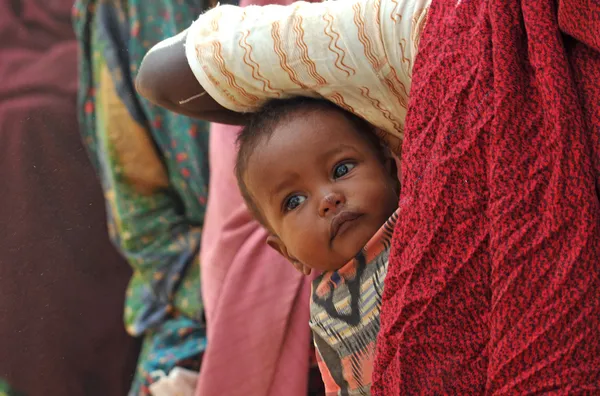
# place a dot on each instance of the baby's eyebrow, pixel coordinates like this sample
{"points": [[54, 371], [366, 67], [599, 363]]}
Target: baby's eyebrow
{"points": [[285, 183], [336, 150]]}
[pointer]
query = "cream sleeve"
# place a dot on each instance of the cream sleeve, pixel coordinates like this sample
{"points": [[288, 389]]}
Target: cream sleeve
{"points": [[356, 53]]}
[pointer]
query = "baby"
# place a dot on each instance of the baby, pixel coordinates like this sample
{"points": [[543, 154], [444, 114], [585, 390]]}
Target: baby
{"points": [[318, 179]]}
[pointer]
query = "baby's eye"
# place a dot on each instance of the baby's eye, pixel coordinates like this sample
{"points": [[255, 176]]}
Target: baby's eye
{"points": [[342, 170], [293, 202]]}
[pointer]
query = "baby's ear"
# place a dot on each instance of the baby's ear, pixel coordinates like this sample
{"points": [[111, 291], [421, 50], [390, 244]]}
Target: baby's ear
{"points": [[276, 243], [392, 163]]}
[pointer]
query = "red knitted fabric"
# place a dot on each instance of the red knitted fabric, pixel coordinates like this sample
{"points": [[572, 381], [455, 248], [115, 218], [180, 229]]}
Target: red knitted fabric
{"points": [[494, 279]]}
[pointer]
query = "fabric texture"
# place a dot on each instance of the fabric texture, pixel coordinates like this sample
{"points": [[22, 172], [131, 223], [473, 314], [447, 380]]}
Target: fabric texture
{"points": [[494, 273], [356, 53], [179, 382], [153, 165], [62, 284], [344, 316]]}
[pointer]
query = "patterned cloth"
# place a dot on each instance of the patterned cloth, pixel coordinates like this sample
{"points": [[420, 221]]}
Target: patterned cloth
{"points": [[154, 171], [356, 53], [493, 275], [344, 316]]}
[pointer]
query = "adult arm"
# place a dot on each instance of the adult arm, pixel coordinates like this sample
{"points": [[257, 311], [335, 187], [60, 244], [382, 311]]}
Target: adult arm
{"points": [[165, 79], [356, 53]]}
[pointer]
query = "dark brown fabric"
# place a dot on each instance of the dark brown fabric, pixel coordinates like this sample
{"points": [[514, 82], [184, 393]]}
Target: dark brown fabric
{"points": [[62, 284]]}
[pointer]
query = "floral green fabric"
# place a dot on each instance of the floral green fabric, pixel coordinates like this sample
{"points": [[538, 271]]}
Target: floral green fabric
{"points": [[7, 390], [153, 167]]}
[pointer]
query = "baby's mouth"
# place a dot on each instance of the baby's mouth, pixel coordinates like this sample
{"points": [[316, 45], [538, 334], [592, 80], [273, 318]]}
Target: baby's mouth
{"points": [[341, 222]]}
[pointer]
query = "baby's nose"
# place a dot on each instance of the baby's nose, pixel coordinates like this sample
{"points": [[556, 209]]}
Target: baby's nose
{"points": [[331, 202]]}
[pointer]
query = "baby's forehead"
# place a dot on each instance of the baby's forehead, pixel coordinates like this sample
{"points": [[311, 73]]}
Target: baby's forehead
{"points": [[335, 125], [308, 135], [298, 145]]}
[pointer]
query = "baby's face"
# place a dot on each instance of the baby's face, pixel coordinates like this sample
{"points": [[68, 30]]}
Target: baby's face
{"points": [[322, 189]]}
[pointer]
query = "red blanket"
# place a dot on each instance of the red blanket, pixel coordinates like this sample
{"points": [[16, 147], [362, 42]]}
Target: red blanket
{"points": [[494, 279]]}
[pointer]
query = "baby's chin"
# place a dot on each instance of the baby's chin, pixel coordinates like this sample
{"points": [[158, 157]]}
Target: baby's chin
{"points": [[352, 247]]}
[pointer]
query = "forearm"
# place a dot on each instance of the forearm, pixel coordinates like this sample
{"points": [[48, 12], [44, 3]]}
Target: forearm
{"points": [[198, 111], [165, 79], [356, 53]]}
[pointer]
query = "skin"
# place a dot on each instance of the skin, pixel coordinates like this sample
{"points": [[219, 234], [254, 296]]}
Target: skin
{"points": [[313, 169], [165, 79]]}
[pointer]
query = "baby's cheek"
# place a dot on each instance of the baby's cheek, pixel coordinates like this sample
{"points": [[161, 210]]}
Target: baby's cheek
{"points": [[305, 243]]}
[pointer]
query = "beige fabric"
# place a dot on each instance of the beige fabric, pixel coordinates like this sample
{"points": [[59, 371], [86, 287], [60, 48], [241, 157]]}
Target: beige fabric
{"points": [[356, 53], [179, 382]]}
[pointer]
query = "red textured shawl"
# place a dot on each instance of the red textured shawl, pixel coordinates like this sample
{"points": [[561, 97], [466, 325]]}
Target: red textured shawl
{"points": [[494, 278]]}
